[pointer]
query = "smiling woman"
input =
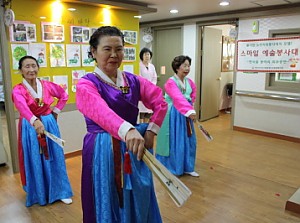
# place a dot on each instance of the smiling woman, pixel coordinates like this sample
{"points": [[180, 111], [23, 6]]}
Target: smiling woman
{"points": [[114, 145], [42, 164]]}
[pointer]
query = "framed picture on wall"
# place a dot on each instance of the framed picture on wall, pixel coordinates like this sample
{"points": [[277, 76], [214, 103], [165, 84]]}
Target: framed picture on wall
{"points": [[129, 54], [92, 30], [228, 49], [52, 32], [22, 31], [130, 36], [80, 34]]}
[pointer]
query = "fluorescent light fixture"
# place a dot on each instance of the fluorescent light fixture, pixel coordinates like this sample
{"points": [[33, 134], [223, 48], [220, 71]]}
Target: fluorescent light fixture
{"points": [[174, 11], [43, 17], [137, 16], [224, 3], [71, 9]]}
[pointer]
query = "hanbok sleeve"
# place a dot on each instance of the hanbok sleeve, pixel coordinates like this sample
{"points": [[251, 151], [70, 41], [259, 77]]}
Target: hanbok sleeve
{"points": [[194, 90], [152, 97], [59, 93], [179, 101], [90, 103], [19, 100]]}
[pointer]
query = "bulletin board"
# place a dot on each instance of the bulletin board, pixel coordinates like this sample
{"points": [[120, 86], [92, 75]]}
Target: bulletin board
{"points": [[58, 39]]}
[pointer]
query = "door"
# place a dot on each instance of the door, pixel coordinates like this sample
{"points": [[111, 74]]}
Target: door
{"points": [[167, 45], [210, 72]]}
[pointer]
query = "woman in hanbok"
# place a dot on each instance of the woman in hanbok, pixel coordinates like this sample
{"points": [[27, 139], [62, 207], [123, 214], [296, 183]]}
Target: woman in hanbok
{"points": [[176, 142], [117, 186], [42, 162], [147, 70]]}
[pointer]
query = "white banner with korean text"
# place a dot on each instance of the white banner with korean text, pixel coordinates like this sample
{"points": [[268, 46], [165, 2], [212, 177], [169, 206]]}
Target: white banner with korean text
{"points": [[268, 55]]}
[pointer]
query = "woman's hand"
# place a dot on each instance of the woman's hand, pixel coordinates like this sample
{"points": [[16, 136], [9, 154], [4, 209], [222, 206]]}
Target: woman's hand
{"points": [[149, 139], [135, 143], [39, 127], [55, 115], [193, 117]]}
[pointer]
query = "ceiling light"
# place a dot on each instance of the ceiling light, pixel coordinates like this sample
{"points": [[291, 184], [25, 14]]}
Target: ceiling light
{"points": [[174, 11], [71, 9], [137, 16], [224, 3], [43, 17]]}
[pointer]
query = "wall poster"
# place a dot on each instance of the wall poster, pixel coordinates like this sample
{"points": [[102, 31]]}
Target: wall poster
{"points": [[269, 55], [61, 81], [73, 55], [76, 75], [86, 59], [18, 51], [38, 51], [57, 55]]}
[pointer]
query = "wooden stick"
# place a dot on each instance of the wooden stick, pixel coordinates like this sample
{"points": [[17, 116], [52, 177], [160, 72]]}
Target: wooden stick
{"points": [[177, 190], [205, 133]]}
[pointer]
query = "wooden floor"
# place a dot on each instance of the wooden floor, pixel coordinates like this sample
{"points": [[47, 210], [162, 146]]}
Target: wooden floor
{"points": [[244, 178]]}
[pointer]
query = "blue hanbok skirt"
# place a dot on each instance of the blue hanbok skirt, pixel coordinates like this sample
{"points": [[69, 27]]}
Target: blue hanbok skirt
{"points": [[46, 179], [101, 202], [182, 149]]}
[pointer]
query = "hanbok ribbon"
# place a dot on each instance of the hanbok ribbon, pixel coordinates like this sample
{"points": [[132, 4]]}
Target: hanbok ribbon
{"points": [[43, 146], [118, 169], [189, 127]]}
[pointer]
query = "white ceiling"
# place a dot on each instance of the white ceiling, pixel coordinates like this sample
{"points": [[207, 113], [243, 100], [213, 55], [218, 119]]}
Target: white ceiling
{"points": [[200, 7]]}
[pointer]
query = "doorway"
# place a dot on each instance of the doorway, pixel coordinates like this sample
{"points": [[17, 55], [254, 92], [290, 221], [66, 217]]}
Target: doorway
{"points": [[3, 151], [168, 44], [215, 71], [8, 136]]}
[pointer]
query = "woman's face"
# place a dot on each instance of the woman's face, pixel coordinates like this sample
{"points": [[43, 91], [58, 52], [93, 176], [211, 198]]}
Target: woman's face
{"points": [[29, 69], [147, 57], [184, 69], [109, 54]]}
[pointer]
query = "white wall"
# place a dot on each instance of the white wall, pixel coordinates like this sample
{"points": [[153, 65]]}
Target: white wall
{"points": [[72, 129], [279, 117]]}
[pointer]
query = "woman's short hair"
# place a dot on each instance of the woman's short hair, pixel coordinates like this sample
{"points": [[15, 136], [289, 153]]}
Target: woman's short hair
{"points": [[24, 58], [177, 61], [103, 31], [145, 50]]}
